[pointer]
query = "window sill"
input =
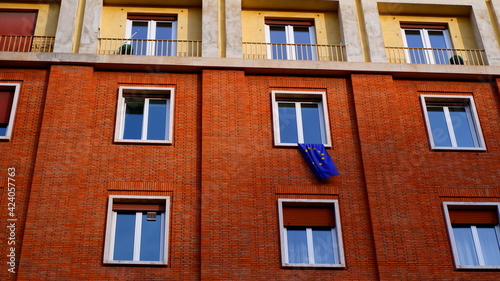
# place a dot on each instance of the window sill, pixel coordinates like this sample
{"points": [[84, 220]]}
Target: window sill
{"points": [[478, 267], [167, 142], [295, 145], [441, 148], [3, 138], [302, 265], [145, 263]]}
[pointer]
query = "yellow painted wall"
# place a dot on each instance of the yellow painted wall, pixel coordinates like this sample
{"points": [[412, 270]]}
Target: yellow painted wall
{"points": [[326, 25], [460, 30], [114, 21], [48, 15]]}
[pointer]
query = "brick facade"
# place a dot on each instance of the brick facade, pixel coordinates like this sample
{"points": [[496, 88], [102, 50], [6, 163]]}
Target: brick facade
{"points": [[224, 175]]}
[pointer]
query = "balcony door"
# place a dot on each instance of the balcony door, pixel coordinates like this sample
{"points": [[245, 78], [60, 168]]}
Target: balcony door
{"points": [[152, 35], [427, 44], [290, 39], [16, 30]]}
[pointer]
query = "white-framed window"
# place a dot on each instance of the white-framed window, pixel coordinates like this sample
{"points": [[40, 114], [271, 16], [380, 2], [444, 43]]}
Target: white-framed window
{"points": [[428, 44], [144, 114], [152, 35], [9, 96], [474, 234], [137, 230], [310, 233], [290, 39], [300, 117], [452, 122]]}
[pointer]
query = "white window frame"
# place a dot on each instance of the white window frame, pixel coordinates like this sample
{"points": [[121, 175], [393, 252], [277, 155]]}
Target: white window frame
{"points": [[297, 95], [424, 34], [284, 240], [111, 226], [471, 111], [290, 41], [454, 248], [151, 45], [120, 113], [16, 89]]}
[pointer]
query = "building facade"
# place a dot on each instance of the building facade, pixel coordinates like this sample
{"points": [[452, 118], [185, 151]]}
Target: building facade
{"points": [[158, 141]]}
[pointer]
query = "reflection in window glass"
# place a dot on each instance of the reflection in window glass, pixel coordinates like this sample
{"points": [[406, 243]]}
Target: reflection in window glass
{"points": [[489, 244], [124, 237], [311, 123], [288, 122], [439, 126], [297, 246], [323, 246], [151, 238]]}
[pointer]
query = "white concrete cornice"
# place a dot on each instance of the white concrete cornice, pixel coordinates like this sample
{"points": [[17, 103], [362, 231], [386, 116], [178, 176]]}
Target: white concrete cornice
{"points": [[252, 66]]}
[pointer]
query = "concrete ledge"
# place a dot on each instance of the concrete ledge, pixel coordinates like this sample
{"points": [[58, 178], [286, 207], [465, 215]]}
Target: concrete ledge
{"points": [[251, 66]]}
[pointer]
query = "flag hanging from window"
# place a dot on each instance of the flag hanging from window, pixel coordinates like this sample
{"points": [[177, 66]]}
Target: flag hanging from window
{"points": [[318, 160]]}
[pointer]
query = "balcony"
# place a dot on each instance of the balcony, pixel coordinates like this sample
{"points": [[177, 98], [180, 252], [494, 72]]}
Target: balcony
{"points": [[177, 48], [16, 43], [436, 56], [293, 51]]}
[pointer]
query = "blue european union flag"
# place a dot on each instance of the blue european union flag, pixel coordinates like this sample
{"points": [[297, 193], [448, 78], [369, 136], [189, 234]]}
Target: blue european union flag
{"points": [[318, 160]]}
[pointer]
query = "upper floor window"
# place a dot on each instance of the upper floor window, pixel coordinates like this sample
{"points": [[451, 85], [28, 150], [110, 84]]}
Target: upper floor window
{"points": [[137, 230], [9, 95], [427, 43], [474, 233], [300, 117], [19, 26], [152, 34], [452, 122], [310, 233], [291, 39], [144, 115]]}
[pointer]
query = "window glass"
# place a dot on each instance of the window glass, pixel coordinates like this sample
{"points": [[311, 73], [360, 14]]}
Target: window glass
{"points": [[302, 36], [278, 36], [124, 237], [151, 238], [323, 246], [164, 31], [288, 122], [157, 119], [461, 126], [134, 116], [465, 245], [139, 32], [297, 246], [439, 126], [3, 129], [414, 40], [490, 247], [311, 123]]}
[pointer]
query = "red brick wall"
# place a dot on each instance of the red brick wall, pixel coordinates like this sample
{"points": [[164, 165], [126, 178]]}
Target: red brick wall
{"points": [[224, 175]]}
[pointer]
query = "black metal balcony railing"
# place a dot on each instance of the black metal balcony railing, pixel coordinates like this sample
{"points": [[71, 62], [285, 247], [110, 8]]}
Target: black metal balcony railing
{"points": [[293, 51], [435, 56], [120, 46], [15, 43]]}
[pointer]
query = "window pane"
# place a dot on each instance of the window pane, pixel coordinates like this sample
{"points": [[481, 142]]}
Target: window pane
{"points": [[465, 245], [288, 122], [311, 123], [302, 36], [414, 40], [151, 238], [157, 120], [489, 245], [124, 237], [438, 126], [3, 129], [164, 32], [134, 113], [297, 246], [278, 35], [461, 126], [323, 246], [139, 31], [438, 42]]}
